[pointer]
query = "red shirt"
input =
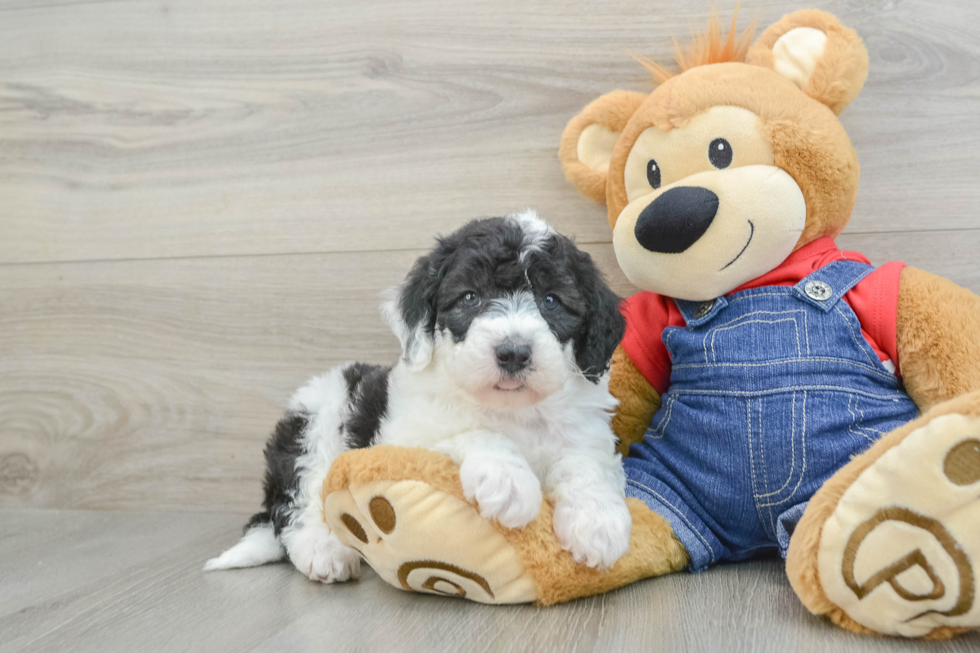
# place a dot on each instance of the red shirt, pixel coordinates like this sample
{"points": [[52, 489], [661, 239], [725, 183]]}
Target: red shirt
{"points": [[874, 300]]}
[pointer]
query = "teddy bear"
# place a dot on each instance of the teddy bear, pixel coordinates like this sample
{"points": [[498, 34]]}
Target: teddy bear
{"points": [[777, 395]]}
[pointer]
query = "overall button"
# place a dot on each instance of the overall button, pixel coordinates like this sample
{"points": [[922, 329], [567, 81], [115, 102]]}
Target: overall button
{"points": [[703, 309], [818, 290]]}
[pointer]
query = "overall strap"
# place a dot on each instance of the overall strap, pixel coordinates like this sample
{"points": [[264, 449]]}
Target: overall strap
{"points": [[823, 288], [697, 313]]}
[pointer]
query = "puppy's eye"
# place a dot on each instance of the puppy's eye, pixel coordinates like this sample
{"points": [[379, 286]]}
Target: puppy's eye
{"points": [[720, 153], [469, 300], [550, 303], [653, 174]]}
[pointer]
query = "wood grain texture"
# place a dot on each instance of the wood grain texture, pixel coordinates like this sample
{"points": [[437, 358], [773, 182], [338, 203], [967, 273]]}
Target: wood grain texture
{"points": [[148, 129], [200, 201], [91, 581], [154, 384]]}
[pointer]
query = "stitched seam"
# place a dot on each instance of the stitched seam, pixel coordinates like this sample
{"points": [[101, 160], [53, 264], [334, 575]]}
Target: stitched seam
{"points": [[677, 512], [888, 377], [742, 317], [754, 393], [854, 419], [758, 512], [664, 420], [853, 335], [789, 291], [765, 470], [792, 444], [862, 427], [799, 350], [806, 332], [802, 467]]}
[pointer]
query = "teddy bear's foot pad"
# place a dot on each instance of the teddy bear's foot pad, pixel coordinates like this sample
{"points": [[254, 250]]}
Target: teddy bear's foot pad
{"points": [[420, 539], [901, 552]]}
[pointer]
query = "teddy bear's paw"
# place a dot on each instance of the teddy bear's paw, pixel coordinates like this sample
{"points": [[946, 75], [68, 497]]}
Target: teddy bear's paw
{"points": [[421, 539], [900, 554], [595, 532], [504, 489], [317, 552]]}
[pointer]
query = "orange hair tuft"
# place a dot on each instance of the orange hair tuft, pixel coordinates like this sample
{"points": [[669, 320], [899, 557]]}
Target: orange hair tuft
{"points": [[706, 48]]}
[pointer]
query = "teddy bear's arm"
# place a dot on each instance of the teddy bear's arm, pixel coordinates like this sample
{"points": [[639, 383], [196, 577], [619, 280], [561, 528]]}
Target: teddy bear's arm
{"points": [[938, 338], [638, 400]]}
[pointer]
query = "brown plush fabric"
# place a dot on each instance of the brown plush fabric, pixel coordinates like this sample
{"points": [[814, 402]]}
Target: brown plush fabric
{"points": [[654, 550], [840, 73], [390, 463], [801, 560], [638, 400], [807, 139], [938, 338], [612, 110], [938, 323]]}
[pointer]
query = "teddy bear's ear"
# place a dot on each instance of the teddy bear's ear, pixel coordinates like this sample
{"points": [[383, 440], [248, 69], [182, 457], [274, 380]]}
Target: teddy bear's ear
{"points": [[816, 52], [589, 138]]}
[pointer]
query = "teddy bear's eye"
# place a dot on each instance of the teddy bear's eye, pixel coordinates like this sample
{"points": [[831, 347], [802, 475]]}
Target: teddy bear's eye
{"points": [[720, 153], [653, 174]]}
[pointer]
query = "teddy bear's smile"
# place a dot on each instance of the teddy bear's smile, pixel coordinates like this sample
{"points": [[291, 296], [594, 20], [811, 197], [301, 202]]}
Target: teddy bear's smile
{"points": [[708, 233], [747, 242]]}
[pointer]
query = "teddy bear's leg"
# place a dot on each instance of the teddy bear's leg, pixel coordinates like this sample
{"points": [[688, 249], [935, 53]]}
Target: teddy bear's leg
{"points": [[404, 511], [891, 543]]}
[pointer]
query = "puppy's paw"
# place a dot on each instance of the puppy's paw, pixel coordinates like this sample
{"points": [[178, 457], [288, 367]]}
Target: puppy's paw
{"points": [[504, 490], [317, 552], [597, 533]]}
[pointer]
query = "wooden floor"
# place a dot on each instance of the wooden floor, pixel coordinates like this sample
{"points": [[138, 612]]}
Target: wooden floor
{"points": [[119, 581], [200, 201]]}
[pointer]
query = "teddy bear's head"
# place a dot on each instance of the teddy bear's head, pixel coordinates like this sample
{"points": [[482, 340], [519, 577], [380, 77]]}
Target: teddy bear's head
{"points": [[729, 166]]}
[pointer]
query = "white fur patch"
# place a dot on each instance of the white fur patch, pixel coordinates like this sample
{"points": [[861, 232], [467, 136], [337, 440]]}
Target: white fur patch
{"points": [[258, 547], [416, 343], [472, 363], [316, 551], [536, 231]]}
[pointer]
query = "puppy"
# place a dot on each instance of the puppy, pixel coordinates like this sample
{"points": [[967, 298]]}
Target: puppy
{"points": [[506, 330]]}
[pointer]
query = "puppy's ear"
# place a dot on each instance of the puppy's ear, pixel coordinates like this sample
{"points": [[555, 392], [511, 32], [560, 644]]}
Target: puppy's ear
{"points": [[604, 324], [589, 138], [410, 311], [816, 52]]}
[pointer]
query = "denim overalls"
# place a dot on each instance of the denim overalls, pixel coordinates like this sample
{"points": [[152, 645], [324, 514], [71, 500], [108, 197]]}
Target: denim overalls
{"points": [[772, 390]]}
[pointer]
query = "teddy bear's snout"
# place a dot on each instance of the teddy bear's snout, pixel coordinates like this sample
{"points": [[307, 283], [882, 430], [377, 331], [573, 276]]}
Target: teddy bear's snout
{"points": [[676, 219]]}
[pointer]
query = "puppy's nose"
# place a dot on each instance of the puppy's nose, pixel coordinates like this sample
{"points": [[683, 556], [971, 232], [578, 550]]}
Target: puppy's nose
{"points": [[675, 220], [512, 357]]}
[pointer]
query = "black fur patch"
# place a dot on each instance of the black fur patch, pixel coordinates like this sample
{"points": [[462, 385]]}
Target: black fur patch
{"points": [[367, 402], [281, 480], [490, 258], [589, 313]]}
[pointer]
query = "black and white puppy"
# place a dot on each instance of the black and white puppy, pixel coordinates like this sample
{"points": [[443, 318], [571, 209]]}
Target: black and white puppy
{"points": [[507, 330]]}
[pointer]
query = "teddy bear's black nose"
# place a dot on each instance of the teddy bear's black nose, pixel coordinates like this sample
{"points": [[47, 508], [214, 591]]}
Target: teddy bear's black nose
{"points": [[675, 220]]}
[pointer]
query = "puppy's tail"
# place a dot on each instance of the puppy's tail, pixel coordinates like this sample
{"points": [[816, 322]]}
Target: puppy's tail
{"points": [[258, 546]]}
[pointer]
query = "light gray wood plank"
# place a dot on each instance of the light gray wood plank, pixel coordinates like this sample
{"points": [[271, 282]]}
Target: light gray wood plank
{"points": [[154, 384], [128, 384], [188, 128], [89, 581]]}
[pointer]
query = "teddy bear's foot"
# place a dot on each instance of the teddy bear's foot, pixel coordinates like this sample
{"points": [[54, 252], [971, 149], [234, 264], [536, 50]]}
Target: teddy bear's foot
{"points": [[898, 552], [405, 512], [422, 536]]}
